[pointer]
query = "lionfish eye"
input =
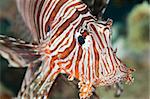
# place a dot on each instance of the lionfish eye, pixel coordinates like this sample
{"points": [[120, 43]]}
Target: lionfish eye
{"points": [[81, 40]]}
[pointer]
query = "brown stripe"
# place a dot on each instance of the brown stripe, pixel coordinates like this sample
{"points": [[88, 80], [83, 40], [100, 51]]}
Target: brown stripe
{"points": [[89, 66], [105, 67], [69, 65], [64, 26], [70, 20], [83, 65], [79, 56], [96, 58], [68, 50], [93, 27], [105, 35], [55, 11], [73, 5], [80, 53], [111, 59], [45, 9], [62, 40], [34, 17], [85, 18], [38, 17], [77, 70]]}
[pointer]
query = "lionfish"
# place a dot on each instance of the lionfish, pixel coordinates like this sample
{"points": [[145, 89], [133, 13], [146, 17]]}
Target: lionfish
{"points": [[70, 40]]}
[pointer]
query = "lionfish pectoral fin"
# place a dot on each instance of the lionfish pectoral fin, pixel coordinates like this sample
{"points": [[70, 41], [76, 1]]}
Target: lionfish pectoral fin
{"points": [[42, 86], [31, 73], [17, 52], [42, 80]]}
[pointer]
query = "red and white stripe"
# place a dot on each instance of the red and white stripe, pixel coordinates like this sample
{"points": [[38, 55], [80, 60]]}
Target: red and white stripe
{"points": [[93, 63]]}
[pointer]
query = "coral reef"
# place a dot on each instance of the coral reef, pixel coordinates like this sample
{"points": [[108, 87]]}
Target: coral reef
{"points": [[138, 27]]}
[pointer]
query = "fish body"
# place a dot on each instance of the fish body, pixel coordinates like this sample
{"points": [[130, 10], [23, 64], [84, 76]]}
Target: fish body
{"points": [[72, 41]]}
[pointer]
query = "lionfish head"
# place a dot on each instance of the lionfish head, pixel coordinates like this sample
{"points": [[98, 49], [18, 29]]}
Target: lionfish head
{"points": [[107, 68]]}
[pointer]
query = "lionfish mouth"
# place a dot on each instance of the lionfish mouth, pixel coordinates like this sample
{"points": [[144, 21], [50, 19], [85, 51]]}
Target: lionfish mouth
{"points": [[115, 77]]}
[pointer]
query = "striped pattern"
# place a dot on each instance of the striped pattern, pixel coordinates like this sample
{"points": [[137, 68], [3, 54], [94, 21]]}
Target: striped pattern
{"points": [[18, 52], [56, 25]]}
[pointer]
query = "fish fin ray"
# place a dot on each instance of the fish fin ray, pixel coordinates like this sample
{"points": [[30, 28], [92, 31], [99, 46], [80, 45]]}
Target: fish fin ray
{"points": [[18, 52]]}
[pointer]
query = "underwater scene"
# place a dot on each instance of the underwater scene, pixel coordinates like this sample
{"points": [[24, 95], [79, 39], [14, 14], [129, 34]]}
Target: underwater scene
{"points": [[74, 49]]}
